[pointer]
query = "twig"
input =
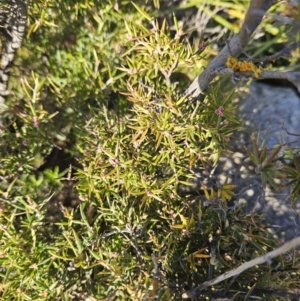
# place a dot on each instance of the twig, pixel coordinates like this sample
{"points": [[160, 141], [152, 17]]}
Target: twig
{"points": [[167, 74], [286, 51], [247, 265], [283, 52], [291, 76], [289, 133], [115, 232], [236, 45]]}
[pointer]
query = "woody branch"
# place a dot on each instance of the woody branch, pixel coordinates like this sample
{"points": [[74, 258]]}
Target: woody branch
{"points": [[235, 46]]}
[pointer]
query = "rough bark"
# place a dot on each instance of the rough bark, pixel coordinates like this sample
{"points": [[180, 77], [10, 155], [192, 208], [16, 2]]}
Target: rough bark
{"points": [[13, 17]]}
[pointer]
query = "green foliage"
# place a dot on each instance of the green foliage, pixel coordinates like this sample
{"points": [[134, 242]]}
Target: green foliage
{"points": [[264, 161], [104, 81], [291, 172]]}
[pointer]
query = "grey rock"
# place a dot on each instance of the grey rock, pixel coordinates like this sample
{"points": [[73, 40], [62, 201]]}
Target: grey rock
{"points": [[265, 110], [268, 109]]}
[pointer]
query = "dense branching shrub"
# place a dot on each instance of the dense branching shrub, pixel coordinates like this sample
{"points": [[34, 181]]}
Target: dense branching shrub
{"points": [[103, 82]]}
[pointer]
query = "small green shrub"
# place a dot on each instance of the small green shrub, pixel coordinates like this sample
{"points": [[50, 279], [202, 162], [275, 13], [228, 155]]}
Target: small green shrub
{"points": [[105, 81]]}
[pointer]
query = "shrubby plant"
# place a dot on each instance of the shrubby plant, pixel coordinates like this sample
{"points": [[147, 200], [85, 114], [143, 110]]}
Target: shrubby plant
{"points": [[104, 83]]}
